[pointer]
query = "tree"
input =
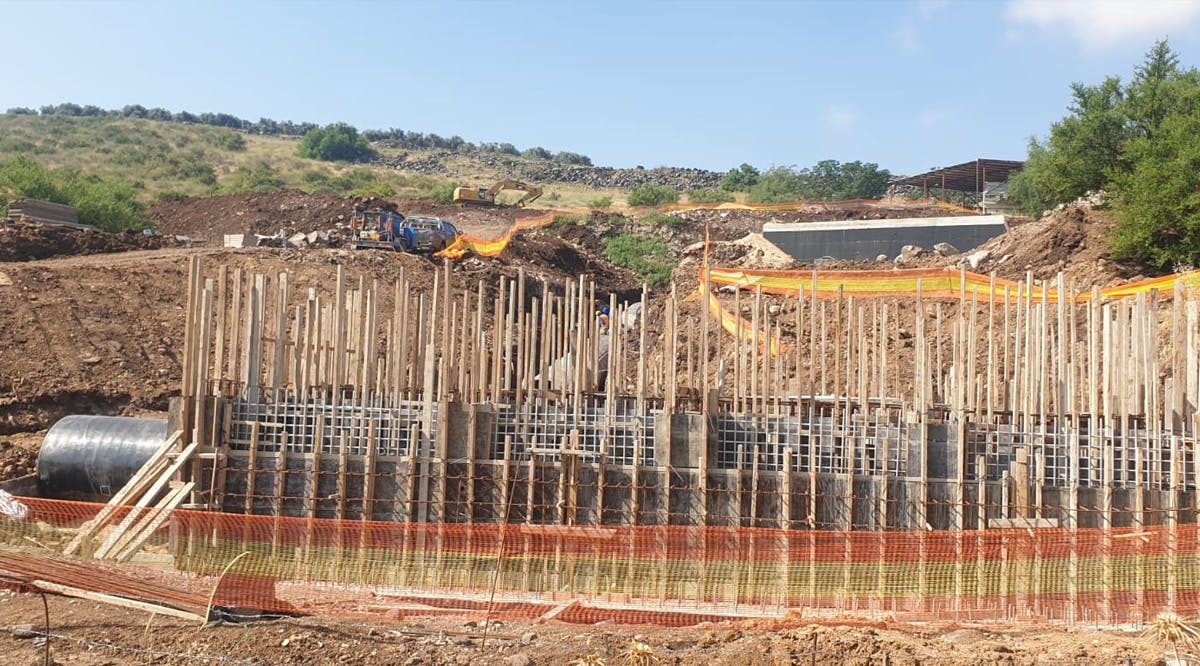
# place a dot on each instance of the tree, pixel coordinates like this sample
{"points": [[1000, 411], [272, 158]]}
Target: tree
{"points": [[1158, 197], [777, 184], [1136, 141], [740, 179], [567, 157], [830, 180], [538, 153], [336, 142], [1083, 149], [827, 180]]}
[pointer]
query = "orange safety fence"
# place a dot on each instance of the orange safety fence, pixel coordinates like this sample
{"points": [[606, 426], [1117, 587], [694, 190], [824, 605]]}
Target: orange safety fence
{"points": [[1125, 574], [737, 326], [490, 247]]}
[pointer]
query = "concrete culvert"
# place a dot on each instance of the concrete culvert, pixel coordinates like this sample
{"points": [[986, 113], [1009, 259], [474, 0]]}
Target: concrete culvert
{"points": [[89, 458]]}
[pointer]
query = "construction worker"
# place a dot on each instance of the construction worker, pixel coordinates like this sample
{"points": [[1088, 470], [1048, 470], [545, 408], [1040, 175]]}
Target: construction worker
{"points": [[602, 320]]}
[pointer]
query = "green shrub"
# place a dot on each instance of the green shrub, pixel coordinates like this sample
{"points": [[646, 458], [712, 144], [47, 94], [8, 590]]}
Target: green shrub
{"points": [[652, 194], [171, 195], [709, 195], [262, 177], [229, 140], [333, 143], [657, 219], [355, 182], [600, 202], [561, 222], [647, 256], [111, 205], [443, 192]]}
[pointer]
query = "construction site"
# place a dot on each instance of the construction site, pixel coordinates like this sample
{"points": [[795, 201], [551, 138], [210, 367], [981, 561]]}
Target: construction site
{"points": [[979, 454]]}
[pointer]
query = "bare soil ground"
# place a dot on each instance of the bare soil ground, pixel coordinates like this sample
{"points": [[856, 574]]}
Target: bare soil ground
{"points": [[84, 633], [294, 211], [100, 333]]}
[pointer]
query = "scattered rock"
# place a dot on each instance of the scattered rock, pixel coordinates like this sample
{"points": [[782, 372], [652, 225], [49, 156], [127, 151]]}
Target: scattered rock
{"points": [[976, 258], [519, 659], [945, 249], [22, 631], [910, 252], [529, 637]]}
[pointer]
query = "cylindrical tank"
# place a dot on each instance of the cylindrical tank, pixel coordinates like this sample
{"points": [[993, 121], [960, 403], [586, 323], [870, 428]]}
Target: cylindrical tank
{"points": [[90, 458]]}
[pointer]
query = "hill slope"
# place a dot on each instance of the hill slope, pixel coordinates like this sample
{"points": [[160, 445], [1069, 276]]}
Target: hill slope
{"points": [[166, 159]]}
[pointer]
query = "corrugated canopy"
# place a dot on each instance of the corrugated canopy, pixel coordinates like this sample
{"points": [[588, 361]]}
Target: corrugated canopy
{"points": [[965, 177]]}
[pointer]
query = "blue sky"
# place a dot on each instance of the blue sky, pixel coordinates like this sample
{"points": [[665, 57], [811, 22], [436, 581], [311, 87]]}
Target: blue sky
{"points": [[909, 85]]}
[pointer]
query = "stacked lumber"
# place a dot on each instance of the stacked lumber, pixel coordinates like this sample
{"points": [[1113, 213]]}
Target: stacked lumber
{"points": [[148, 507], [33, 211]]}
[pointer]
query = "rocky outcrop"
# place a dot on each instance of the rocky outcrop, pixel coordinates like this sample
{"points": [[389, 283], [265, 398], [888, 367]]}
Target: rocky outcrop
{"points": [[545, 171]]}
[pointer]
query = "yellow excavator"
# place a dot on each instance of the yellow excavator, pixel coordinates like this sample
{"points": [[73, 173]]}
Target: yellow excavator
{"points": [[478, 196]]}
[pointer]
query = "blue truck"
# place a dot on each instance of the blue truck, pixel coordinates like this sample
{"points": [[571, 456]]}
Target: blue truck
{"points": [[385, 230]]}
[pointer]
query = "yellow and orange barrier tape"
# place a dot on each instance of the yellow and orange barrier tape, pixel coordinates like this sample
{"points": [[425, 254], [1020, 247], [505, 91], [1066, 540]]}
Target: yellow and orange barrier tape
{"points": [[931, 282], [490, 247]]}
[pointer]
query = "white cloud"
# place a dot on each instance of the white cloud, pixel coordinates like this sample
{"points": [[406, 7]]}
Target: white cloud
{"points": [[840, 118], [930, 7], [1099, 24], [906, 37]]}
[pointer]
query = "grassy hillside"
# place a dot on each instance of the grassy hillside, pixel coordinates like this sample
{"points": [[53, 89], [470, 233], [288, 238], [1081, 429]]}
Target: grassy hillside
{"points": [[167, 159]]}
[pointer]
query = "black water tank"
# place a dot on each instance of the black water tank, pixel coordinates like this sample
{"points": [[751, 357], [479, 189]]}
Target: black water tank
{"points": [[89, 458]]}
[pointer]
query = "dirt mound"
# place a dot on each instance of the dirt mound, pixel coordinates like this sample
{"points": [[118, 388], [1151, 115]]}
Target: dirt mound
{"points": [[212, 217], [558, 259], [294, 211], [32, 243], [1072, 240]]}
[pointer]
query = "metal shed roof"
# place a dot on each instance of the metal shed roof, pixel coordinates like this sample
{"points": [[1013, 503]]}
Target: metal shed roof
{"points": [[965, 177]]}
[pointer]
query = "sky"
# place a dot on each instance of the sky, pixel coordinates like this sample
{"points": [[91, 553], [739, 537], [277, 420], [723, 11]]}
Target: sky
{"points": [[907, 84]]}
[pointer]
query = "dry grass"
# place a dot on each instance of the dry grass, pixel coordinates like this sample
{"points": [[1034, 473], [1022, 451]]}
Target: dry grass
{"points": [[1169, 628], [166, 157], [588, 660], [639, 654]]}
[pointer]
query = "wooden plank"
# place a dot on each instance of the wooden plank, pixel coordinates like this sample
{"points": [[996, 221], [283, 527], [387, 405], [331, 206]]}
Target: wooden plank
{"points": [[129, 544], [155, 609], [136, 485], [149, 496]]}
